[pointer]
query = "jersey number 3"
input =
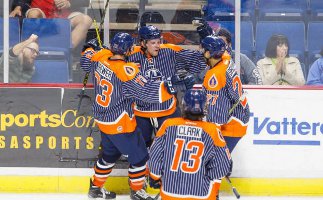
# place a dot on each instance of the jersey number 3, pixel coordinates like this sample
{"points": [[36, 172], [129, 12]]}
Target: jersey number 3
{"points": [[194, 157], [104, 98]]}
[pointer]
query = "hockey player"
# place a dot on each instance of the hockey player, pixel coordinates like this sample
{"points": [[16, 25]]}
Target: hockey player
{"points": [[116, 83], [158, 62], [227, 104], [188, 155]]}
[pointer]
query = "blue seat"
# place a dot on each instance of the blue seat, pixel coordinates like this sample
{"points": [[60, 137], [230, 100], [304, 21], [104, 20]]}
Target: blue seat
{"points": [[314, 40], [283, 10], [247, 44], [295, 32], [14, 32], [51, 71], [316, 9], [54, 36], [223, 10]]}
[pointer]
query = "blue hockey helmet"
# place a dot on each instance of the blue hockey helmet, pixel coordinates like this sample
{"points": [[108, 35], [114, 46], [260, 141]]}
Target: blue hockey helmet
{"points": [[215, 45], [149, 32], [194, 101], [121, 43]]}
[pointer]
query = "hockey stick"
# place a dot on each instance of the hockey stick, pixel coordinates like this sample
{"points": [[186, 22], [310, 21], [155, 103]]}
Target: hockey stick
{"points": [[157, 196], [97, 30], [234, 190], [242, 97]]}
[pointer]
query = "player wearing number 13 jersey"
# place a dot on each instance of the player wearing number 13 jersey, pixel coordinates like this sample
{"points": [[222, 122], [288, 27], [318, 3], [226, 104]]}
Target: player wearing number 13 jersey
{"points": [[188, 154], [116, 85]]}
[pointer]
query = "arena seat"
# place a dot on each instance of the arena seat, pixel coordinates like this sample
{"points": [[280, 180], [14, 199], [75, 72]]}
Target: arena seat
{"points": [[316, 9], [51, 71], [54, 36], [247, 44], [223, 10], [314, 40], [14, 32], [283, 10]]}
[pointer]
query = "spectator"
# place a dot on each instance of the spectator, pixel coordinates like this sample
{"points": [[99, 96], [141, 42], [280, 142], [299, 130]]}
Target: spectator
{"points": [[21, 61], [249, 74], [56, 9], [278, 68], [315, 74]]}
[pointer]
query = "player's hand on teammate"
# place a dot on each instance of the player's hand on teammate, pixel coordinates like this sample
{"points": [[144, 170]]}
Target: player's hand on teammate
{"points": [[169, 86], [189, 81], [154, 183]]}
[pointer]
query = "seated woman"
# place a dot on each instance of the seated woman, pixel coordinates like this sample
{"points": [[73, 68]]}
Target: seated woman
{"points": [[278, 68]]}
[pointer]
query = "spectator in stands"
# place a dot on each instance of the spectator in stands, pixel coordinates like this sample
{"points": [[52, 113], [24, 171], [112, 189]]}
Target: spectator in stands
{"points": [[80, 22], [21, 61], [278, 68], [249, 74], [315, 74]]}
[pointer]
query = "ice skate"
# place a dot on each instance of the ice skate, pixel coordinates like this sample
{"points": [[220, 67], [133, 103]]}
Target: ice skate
{"points": [[100, 193], [140, 195]]}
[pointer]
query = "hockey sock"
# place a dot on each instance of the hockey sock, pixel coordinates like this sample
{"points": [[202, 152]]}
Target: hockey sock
{"points": [[102, 170], [137, 177]]}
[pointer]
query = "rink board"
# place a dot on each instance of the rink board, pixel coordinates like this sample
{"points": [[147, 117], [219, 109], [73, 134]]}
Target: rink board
{"points": [[280, 155]]}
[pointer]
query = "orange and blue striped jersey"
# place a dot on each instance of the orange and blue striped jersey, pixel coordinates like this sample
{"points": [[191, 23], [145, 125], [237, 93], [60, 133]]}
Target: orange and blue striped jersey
{"points": [[116, 85], [224, 88], [170, 59], [188, 156]]}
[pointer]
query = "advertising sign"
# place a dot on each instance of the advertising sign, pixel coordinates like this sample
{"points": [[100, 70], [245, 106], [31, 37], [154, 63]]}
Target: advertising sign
{"points": [[285, 135], [40, 127]]}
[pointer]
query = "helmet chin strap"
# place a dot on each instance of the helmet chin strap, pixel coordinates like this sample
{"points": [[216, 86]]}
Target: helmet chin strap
{"points": [[214, 61]]}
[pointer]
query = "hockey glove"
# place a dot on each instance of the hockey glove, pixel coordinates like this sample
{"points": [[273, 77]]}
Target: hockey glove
{"points": [[189, 81], [94, 44], [230, 170], [204, 30], [169, 86], [154, 183]]}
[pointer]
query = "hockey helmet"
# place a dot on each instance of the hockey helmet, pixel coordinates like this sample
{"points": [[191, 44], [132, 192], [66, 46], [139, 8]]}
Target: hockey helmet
{"points": [[215, 45], [121, 43], [149, 32], [194, 101]]}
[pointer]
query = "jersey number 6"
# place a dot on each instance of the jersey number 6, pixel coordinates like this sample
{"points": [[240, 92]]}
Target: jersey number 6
{"points": [[195, 158]]}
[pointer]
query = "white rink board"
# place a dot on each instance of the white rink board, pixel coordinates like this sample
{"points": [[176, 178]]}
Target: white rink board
{"points": [[291, 116]]}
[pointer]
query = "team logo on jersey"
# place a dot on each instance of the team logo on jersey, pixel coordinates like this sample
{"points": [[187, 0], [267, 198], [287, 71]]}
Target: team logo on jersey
{"points": [[220, 135], [154, 75], [213, 82], [119, 129], [130, 71]]}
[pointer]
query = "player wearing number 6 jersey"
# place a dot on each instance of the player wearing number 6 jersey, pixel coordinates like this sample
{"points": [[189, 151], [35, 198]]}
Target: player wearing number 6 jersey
{"points": [[188, 155], [116, 85], [224, 89]]}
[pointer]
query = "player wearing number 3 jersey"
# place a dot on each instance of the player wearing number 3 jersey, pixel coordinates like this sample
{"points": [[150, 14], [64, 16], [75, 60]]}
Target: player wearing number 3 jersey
{"points": [[188, 154], [116, 85]]}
